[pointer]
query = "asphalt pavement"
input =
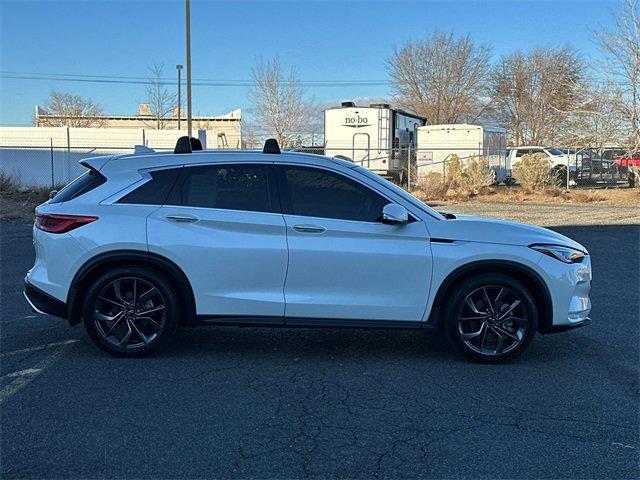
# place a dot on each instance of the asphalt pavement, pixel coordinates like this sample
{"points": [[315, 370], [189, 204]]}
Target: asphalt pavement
{"points": [[320, 403]]}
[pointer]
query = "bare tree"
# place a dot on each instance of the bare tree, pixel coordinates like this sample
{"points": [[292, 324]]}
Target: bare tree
{"points": [[594, 122], [279, 102], [442, 77], [161, 101], [534, 93], [65, 109], [622, 49]]}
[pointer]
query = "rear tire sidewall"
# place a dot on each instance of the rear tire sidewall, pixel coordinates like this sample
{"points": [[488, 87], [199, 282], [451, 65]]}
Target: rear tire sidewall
{"points": [[454, 302], [154, 278]]}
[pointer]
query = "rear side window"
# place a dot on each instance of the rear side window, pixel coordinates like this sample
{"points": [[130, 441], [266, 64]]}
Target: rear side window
{"points": [[231, 187], [313, 192], [84, 183], [155, 191]]}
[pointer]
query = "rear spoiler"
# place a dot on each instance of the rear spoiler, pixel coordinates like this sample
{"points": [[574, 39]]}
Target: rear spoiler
{"points": [[95, 163]]}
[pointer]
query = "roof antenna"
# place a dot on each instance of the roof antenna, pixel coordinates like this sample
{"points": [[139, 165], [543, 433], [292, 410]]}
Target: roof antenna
{"points": [[183, 145], [271, 146]]}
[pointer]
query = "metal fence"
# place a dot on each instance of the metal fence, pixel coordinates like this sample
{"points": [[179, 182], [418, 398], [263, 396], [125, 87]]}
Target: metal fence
{"points": [[584, 169], [56, 165]]}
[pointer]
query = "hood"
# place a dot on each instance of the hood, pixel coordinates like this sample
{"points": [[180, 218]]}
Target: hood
{"points": [[488, 230]]}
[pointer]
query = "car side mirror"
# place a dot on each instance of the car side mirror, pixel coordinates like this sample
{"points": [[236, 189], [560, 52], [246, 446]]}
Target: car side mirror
{"points": [[394, 214], [52, 194]]}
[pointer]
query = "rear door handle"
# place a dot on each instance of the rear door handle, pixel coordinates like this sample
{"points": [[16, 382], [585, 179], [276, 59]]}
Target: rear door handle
{"points": [[182, 218], [309, 229]]}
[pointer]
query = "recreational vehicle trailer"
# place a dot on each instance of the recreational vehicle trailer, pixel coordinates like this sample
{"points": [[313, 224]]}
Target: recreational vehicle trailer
{"points": [[438, 143], [378, 137]]}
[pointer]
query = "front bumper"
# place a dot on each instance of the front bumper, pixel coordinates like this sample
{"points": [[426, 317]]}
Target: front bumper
{"points": [[42, 302], [564, 328], [570, 288]]}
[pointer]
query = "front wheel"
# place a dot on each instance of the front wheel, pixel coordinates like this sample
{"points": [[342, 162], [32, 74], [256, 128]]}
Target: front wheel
{"points": [[490, 318], [130, 312]]}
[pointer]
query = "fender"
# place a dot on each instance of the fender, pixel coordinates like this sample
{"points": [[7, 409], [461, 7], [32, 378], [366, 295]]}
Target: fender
{"points": [[127, 258], [525, 274]]}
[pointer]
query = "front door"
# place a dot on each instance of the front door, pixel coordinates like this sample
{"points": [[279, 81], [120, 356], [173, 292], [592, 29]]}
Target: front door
{"points": [[222, 227], [344, 264]]}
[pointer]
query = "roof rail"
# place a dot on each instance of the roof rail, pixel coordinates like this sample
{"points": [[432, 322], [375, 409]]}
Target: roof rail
{"points": [[271, 146], [196, 144], [183, 145]]}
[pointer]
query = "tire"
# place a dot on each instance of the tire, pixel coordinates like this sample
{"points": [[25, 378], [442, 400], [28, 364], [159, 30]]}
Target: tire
{"points": [[475, 334], [122, 327]]}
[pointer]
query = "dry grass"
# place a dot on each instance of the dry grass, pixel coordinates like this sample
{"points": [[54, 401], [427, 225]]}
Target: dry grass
{"points": [[17, 202], [549, 195]]}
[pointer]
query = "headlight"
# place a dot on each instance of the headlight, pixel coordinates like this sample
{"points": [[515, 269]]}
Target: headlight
{"points": [[564, 254]]}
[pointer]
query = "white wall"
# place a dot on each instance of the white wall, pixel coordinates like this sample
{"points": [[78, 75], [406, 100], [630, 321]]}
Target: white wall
{"points": [[39, 156]]}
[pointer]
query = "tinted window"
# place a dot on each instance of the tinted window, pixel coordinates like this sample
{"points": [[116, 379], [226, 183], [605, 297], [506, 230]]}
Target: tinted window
{"points": [[520, 152], [232, 187], [81, 185], [155, 191], [318, 193], [554, 151]]}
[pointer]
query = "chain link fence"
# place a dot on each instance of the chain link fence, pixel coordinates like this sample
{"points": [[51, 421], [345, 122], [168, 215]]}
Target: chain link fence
{"points": [[576, 168], [57, 163]]}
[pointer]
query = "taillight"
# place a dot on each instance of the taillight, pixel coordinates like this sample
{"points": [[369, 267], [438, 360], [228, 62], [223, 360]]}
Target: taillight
{"points": [[54, 223]]}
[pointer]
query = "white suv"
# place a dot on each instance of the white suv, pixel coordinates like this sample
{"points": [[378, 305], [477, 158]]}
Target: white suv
{"points": [[143, 243]]}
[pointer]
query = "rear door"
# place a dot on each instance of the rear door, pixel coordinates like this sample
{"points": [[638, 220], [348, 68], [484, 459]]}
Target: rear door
{"points": [[344, 264], [222, 226]]}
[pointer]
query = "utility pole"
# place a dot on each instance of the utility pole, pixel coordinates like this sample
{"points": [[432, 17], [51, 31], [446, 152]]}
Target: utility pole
{"points": [[179, 68], [188, 31]]}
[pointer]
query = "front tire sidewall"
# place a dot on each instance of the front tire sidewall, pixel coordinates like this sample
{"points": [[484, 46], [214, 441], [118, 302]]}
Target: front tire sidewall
{"points": [[157, 280], [454, 302]]}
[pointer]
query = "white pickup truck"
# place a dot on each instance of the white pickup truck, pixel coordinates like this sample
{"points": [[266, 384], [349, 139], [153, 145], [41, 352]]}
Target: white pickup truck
{"points": [[558, 160]]}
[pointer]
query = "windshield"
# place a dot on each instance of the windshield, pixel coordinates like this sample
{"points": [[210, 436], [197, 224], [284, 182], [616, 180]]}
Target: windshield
{"points": [[553, 151], [403, 193]]}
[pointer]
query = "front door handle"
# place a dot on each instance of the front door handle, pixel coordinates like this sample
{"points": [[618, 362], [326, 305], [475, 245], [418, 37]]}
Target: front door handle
{"points": [[309, 229], [182, 218]]}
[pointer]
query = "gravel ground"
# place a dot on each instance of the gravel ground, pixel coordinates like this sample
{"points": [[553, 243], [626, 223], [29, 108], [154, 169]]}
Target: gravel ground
{"points": [[550, 214]]}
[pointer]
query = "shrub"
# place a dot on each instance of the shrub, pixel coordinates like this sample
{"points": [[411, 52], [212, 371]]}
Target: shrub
{"points": [[8, 184], [430, 186], [476, 175], [453, 171], [533, 172]]}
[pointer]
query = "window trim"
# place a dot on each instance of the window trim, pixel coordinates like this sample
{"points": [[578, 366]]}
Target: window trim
{"points": [[279, 170], [272, 187]]}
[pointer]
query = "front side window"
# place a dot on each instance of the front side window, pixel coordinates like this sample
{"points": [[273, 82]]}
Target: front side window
{"points": [[314, 192], [231, 187]]}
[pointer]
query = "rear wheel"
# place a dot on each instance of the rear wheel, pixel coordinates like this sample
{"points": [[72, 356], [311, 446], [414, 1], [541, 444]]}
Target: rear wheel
{"points": [[131, 312], [491, 318]]}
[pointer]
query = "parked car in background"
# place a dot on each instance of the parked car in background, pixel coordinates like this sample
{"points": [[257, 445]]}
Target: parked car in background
{"points": [[558, 160], [141, 244]]}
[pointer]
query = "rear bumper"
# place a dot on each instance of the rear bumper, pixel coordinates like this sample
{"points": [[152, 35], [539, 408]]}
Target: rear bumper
{"points": [[44, 303]]}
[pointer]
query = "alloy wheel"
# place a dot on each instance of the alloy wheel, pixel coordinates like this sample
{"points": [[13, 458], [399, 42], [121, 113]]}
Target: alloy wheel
{"points": [[492, 320], [130, 312]]}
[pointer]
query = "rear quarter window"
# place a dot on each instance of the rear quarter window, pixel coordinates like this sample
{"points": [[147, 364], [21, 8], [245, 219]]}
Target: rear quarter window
{"points": [[155, 191], [84, 183]]}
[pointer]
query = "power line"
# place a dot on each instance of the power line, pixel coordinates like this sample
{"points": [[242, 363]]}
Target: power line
{"points": [[164, 81], [211, 82]]}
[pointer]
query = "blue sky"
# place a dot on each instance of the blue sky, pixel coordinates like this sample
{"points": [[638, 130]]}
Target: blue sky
{"points": [[323, 40]]}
